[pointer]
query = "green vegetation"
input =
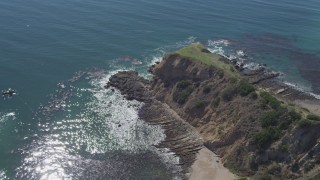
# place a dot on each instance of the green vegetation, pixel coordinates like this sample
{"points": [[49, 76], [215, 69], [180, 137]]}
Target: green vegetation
{"points": [[285, 124], [233, 80], [206, 89], [245, 88], [264, 177], [268, 99], [305, 109], [215, 103], [284, 148], [294, 115], [220, 73], [304, 123], [274, 121], [253, 95], [313, 117], [266, 137], [181, 97], [183, 84], [270, 118], [229, 93], [200, 104], [288, 118], [183, 90], [242, 178], [274, 169], [195, 52]]}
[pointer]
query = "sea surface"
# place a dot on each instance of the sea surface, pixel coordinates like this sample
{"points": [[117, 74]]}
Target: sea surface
{"points": [[58, 55]]}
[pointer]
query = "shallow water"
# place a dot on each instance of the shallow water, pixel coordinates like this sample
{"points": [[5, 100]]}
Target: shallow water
{"points": [[63, 121]]}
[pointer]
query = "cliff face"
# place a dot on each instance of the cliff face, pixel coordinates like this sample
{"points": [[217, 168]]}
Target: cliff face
{"points": [[256, 135]]}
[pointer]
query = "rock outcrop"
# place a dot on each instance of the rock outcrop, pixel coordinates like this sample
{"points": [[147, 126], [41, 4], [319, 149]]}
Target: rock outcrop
{"points": [[201, 99]]}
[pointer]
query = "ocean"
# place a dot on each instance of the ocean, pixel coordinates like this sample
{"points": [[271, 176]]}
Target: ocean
{"points": [[58, 55]]}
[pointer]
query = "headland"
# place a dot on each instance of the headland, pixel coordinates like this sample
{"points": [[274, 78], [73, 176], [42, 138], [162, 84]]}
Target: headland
{"points": [[220, 118]]}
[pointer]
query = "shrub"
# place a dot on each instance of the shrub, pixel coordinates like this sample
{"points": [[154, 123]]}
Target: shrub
{"points": [[287, 118], [264, 177], [220, 73], [242, 178], [285, 124], [215, 103], [253, 95], [305, 109], [181, 96], [233, 80], [228, 93], [206, 90], [304, 123], [270, 118], [294, 115], [245, 88], [313, 117], [183, 84], [274, 169], [270, 100], [266, 137], [284, 148], [308, 167], [200, 104]]}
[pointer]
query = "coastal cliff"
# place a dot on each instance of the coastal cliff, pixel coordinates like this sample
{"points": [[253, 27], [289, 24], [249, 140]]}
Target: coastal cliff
{"points": [[203, 100]]}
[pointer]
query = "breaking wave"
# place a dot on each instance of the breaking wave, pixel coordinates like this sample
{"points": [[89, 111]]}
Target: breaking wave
{"points": [[4, 117]]}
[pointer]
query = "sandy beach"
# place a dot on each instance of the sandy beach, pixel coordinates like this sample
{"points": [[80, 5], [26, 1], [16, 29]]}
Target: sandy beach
{"points": [[208, 166]]}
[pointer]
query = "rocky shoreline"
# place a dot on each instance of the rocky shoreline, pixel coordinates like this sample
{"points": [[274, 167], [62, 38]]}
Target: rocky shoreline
{"points": [[181, 138], [204, 102]]}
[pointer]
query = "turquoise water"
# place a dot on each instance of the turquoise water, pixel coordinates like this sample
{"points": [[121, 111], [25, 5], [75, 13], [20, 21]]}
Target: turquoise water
{"points": [[62, 125]]}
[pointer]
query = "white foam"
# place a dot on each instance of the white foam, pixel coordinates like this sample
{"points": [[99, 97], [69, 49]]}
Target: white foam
{"points": [[155, 59], [317, 96], [4, 117], [3, 175], [302, 89], [291, 84], [218, 47], [221, 47], [169, 158], [133, 131], [219, 42], [252, 66], [241, 53], [217, 50], [122, 123]]}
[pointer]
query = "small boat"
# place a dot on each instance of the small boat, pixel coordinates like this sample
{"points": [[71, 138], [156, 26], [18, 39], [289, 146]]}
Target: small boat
{"points": [[8, 93]]}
